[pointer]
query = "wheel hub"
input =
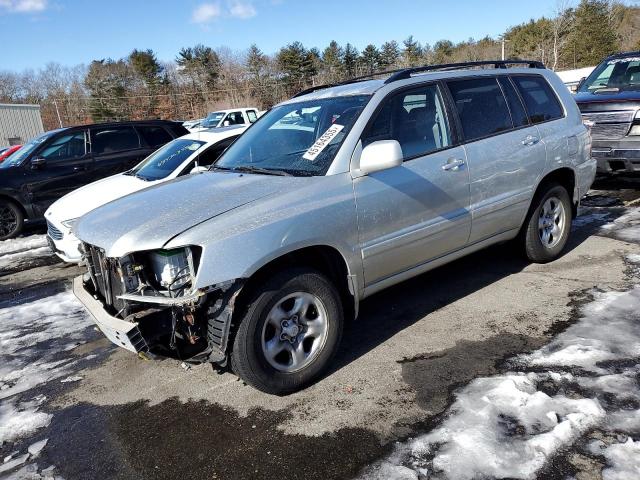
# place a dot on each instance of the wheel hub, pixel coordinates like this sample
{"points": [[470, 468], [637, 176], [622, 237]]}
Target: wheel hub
{"points": [[290, 329]]}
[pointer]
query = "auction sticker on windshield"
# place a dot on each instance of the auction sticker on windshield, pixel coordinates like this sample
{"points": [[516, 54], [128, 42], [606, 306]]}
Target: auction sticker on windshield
{"points": [[322, 142]]}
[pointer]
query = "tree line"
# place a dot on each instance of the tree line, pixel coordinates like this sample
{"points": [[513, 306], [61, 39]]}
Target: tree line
{"points": [[201, 79]]}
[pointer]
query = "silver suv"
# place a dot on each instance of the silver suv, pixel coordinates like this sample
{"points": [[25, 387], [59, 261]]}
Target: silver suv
{"points": [[330, 197]]}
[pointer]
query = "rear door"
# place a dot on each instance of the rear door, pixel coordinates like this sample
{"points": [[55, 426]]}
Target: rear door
{"points": [[504, 152], [116, 149], [66, 165], [420, 210]]}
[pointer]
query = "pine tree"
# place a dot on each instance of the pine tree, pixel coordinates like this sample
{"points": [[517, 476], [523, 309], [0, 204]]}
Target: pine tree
{"points": [[389, 55], [412, 52], [370, 59], [593, 36], [332, 66], [350, 60]]}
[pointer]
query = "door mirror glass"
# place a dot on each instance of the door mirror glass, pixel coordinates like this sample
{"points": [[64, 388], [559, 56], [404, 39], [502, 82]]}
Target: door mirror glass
{"points": [[380, 155], [38, 162], [226, 123]]}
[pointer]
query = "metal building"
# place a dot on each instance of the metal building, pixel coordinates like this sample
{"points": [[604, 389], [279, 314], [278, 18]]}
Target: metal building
{"points": [[19, 123]]}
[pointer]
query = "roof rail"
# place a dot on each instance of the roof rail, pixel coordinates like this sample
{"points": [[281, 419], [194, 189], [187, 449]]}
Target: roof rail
{"points": [[407, 72], [403, 73]]}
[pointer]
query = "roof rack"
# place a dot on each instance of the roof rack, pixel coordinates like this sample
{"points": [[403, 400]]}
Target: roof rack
{"points": [[404, 73], [407, 72]]}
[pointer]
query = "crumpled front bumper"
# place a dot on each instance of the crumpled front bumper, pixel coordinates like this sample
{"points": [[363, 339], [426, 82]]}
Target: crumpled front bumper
{"points": [[121, 332]]}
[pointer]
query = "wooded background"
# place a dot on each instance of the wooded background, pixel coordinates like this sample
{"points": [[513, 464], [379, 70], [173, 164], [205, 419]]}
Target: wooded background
{"points": [[202, 79]]}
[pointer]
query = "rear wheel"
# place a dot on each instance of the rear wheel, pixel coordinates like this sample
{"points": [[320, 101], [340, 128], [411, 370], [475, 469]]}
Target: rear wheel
{"points": [[289, 332], [11, 220], [548, 225]]}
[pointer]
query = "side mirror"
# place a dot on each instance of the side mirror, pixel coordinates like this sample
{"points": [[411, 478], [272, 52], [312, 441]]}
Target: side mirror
{"points": [[38, 162], [226, 123], [198, 169], [580, 83], [380, 155]]}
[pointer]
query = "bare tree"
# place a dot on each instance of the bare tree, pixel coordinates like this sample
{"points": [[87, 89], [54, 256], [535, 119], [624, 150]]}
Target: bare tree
{"points": [[560, 28]]}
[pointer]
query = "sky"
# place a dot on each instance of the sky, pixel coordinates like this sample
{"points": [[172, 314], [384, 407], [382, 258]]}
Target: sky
{"points": [[71, 32]]}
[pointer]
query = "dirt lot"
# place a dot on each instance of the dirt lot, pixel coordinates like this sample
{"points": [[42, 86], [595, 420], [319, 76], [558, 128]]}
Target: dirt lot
{"points": [[107, 414]]}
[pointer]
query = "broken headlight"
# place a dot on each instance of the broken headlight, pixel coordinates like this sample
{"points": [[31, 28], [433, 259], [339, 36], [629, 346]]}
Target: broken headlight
{"points": [[172, 269]]}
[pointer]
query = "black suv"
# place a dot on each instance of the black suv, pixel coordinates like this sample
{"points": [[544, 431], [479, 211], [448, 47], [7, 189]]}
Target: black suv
{"points": [[57, 162], [609, 100]]}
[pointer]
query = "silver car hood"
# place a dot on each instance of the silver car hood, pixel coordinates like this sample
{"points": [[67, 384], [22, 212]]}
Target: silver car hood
{"points": [[150, 218]]}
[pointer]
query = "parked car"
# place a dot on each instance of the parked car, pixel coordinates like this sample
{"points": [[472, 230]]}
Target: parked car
{"points": [[192, 124], [192, 153], [57, 162], [5, 152], [609, 99], [257, 263], [225, 118]]}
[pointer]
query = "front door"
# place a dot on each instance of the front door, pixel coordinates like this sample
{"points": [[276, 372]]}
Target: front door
{"points": [[418, 211], [64, 166]]}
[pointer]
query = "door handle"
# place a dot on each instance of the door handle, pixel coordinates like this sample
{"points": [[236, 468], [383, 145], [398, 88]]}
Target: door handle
{"points": [[452, 164], [530, 140], [79, 168]]}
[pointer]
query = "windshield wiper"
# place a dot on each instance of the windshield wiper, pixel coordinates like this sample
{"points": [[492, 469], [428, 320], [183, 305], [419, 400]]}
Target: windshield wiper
{"points": [[264, 171]]}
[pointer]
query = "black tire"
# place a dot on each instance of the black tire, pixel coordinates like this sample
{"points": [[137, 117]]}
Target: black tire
{"points": [[11, 220], [248, 359], [530, 238]]}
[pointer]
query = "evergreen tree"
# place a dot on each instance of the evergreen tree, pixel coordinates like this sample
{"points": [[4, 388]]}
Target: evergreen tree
{"points": [[442, 51], [332, 66], [201, 64], [370, 59], [412, 53], [297, 66], [593, 36], [149, 71], [350, 60], [389, 55]]}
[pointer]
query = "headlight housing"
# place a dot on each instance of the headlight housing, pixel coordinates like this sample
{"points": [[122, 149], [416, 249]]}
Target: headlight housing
{"points": [[172, 269]]}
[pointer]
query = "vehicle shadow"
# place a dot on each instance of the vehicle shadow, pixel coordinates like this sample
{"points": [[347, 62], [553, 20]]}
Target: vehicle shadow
{"points": [[388, 312]]}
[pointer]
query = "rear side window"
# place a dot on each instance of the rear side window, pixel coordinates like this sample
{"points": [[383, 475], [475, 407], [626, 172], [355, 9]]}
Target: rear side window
{"points": [[518, 113], [252, 115], [154, 136], [481, 106], [113, 139], [542, 104]]}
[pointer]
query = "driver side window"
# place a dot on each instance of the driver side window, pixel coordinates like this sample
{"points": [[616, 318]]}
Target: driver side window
{"points": [[68, 146], [414, 118]]}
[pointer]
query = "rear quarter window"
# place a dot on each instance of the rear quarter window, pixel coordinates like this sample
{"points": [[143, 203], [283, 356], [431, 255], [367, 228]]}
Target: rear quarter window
{"points": [[539, 98], [154, 136]]}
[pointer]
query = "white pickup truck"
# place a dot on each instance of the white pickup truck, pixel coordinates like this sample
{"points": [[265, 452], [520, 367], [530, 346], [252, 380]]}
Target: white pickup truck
{"points": [[226, 118]]}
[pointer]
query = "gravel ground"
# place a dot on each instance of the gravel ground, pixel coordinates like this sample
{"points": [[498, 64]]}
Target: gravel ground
{"points": [[106, 414]]}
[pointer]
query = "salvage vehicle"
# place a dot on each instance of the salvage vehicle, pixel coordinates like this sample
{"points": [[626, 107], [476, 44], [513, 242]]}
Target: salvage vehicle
{"points": [[226, 118], [192, 153], [328, 198], [609, 99], [59, 161]]}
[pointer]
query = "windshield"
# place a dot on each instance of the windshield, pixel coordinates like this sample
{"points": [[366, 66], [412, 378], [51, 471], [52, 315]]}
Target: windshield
{"points": [[295, 139], [17, 157], [212, 119], [614, 75], [165, 160]]}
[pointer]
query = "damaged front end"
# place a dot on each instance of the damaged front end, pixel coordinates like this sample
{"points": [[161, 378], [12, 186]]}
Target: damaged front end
{"points": [[146, 302]]}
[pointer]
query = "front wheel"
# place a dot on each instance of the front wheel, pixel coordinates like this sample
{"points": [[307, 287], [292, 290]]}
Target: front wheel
{"points": [[289, 331], [11, 220], [548, 225]]}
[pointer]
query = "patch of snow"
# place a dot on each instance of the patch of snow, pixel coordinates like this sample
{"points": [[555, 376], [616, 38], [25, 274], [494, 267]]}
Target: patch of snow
{"points": [[74, 378], [507, 426], [16, 462], [35, 448], [625, 227], [12, 258], [20, 420], [633, 258], [33, 337], [22, 244], [623, 461]]}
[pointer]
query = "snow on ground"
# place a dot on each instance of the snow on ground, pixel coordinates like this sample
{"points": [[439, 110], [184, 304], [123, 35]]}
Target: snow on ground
{"points": [[36, 340], [17, 250], [510, 425]]}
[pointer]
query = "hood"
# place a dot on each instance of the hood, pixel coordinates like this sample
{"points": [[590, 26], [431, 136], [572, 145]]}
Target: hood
{"points": [[152, 217], [85, 199], [597, 102]]}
